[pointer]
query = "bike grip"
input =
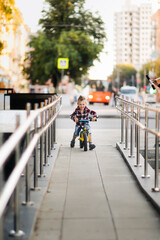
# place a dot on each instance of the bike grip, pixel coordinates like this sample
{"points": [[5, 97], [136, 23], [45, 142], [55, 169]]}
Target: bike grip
{"points": [[148, 78]]}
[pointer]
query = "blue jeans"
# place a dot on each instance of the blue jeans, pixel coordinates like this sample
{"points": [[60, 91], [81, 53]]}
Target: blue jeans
{"points": [[78, 129]]}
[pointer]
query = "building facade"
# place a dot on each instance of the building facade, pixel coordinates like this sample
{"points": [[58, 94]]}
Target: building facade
{"points": [[133, 35], [156, 35]]}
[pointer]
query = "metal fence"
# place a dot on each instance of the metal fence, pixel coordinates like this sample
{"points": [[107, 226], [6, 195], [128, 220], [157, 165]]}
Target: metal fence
{"points": [[38, 129], [131, 124]]}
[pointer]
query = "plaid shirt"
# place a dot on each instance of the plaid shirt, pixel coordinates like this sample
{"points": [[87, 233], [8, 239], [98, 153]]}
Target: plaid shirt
{"points": [[85, 115]]}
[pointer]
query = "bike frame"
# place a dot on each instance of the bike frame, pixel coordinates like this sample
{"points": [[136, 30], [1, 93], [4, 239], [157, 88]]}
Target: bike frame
{"points": [[81, 134], [84, 134], [84, 130]]}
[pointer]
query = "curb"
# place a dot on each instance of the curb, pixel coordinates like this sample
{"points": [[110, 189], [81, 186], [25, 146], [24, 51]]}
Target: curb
{"points": [[145, 184]]}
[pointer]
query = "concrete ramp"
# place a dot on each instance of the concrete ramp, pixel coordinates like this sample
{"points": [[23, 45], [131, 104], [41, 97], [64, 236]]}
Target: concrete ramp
{"points": [[93, 196]]}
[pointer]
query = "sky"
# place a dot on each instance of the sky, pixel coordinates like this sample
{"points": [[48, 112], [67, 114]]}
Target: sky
{"points": [[31, 11]]}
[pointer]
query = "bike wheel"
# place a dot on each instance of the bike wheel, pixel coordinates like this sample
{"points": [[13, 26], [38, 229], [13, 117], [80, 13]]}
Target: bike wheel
{"points": [[81, 144], [80, 141], [85, 141]]}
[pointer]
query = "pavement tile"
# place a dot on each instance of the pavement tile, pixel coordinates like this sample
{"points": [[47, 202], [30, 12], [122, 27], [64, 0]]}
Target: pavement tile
{"points": [[86, 208], [138, 234], [88, 229], [47, 213], [49, 235], [137, 223], [46, 224]]}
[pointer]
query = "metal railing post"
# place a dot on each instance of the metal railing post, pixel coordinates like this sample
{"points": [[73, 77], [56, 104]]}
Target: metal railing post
{"points": [[135, 135], [138, 140], [52, 114], [156, 187], [49, 133], [35, 176], [126, 127], [54, 126], [146, 146], [131, 130], [16, 232], [122, 123], [27, 178], [46, 138], [41, 145]]}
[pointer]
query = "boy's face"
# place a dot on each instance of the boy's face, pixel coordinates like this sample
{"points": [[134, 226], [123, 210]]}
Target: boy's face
{"points": [[82, 105]]}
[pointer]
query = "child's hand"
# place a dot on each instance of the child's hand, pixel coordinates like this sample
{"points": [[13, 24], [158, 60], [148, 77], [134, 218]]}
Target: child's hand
{"points": [[94, 119], [76, 120]]}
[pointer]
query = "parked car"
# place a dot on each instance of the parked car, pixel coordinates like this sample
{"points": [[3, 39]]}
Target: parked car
{"points": [[150, 98], [130, 92]]}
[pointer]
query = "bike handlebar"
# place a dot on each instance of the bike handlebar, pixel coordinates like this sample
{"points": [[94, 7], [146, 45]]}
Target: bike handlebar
{"points": [[86, 120]]}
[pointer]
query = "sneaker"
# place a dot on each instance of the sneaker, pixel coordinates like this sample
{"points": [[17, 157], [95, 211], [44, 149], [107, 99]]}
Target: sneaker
{"points": [[72, 144], [91, 146]]}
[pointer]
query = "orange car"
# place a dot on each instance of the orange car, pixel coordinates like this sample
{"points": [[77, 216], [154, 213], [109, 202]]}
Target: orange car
{"points": [[99, 97], [98, 92]]}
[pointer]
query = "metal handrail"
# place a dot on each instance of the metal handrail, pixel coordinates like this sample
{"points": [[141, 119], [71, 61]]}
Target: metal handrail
{"points": [[13, 143], [5, 151], [138, 123], [134, 117], [138, 105]]}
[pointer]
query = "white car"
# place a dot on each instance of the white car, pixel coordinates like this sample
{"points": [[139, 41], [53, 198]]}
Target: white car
{"points": [[150, 98], [130, 92]]}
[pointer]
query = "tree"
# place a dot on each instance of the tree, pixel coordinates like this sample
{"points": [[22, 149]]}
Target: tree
{"points": [[8, 12], [68, 31], [65, 15], [126, 73], [145, 70]]}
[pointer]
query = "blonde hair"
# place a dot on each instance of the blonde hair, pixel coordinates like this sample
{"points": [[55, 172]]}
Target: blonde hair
{"points": [[81, 98]]}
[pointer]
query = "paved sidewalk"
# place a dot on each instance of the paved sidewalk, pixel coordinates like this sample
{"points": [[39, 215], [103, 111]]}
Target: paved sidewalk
{"points": [[93, 196]]}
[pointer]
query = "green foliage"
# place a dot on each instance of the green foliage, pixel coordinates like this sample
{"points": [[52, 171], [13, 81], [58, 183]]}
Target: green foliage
{"points": [[41, 57], [126, 73], [80, 50], [149, 67], [69, 31], [65, 15], [145, 70]]}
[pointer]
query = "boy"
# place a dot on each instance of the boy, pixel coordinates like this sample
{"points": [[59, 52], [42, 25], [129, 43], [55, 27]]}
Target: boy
{"points": [[82, 112]]}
